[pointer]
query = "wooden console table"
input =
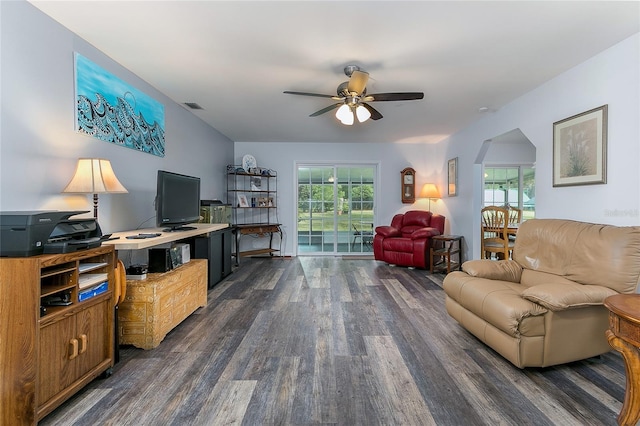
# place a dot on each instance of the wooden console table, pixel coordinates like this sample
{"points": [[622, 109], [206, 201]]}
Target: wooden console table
{"points": [[624, 336], [260, 229]]}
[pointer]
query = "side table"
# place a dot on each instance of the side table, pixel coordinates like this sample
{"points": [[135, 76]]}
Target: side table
{"points": [[442, 248], [624, 336]]}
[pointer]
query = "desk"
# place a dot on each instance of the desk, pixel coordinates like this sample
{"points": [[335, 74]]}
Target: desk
{"points": [[624, 336], [154, 306], [122, 243], [442, 248]]}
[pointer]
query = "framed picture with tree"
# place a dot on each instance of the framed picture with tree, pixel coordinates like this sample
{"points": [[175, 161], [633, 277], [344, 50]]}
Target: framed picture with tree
{"points": [[580, 149]]}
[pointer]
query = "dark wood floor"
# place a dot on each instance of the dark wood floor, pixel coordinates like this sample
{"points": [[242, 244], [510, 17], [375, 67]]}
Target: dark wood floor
{"points": [[337, 341]]}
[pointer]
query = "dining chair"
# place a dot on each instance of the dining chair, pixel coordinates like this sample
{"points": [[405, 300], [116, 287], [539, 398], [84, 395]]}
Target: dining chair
{"points": [[515, 217], [365, 236], [495, 233]]}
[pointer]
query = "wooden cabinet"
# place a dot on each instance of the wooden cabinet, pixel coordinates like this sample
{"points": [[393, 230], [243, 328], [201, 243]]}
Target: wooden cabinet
{"points": [[154, 306], [253, 197], [56, 329]]}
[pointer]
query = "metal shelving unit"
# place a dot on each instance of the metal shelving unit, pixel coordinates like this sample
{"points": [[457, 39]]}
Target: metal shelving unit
{"points": [[253, 197]]}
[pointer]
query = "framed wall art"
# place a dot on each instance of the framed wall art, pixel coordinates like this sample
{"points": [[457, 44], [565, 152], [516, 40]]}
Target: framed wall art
{"points": [[580, 149], [452, 177], [242, 200], [112, 110]]}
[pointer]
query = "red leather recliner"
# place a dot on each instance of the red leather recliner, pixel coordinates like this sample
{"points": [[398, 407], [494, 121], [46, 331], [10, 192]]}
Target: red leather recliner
{"points": [[407, 240]]}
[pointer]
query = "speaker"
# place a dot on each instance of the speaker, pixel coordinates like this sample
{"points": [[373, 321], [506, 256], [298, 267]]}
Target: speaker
{"points": [[159, 260]]}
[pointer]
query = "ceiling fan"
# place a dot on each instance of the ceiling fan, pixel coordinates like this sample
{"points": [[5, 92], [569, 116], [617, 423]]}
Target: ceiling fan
{"points": [[354, 100]]}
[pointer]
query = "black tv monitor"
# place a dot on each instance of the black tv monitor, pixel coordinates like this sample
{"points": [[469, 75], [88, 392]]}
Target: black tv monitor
{"points": [[177, 201]]}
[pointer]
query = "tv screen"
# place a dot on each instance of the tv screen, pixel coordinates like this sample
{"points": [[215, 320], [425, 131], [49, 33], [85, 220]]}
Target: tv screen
{"points": [[177, 201]]}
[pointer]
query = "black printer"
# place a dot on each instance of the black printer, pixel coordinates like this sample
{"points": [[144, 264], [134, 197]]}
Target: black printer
{"points": [[30, 233]]}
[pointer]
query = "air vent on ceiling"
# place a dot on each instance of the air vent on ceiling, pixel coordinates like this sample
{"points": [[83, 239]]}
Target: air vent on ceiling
{"points": [[193, 105]]}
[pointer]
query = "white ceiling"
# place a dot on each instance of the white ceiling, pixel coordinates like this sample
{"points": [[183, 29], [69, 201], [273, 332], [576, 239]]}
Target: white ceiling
{"points": [[235, 58]]}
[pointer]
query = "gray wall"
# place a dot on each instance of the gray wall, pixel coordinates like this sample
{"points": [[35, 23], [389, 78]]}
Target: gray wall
{"points": [[40, 148]]}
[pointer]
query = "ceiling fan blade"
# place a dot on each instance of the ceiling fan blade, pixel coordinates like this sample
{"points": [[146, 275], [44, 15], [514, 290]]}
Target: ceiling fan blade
{"points": [[375, 114], [319, 95], [358, 82], [327, 109], [402, 96]]}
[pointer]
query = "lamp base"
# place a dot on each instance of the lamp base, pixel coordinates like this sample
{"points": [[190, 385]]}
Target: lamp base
{"points": [[95, 206]]}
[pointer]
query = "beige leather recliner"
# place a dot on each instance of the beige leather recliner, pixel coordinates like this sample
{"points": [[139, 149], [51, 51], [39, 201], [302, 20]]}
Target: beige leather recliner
{"points": [[545, 307]]}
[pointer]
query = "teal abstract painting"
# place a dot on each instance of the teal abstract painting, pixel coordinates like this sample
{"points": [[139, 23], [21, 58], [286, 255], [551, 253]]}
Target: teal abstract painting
{"points": [[111, 110]]}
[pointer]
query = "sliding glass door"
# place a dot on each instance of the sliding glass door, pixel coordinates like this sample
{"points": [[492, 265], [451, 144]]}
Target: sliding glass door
{"points": [[335, 208]]}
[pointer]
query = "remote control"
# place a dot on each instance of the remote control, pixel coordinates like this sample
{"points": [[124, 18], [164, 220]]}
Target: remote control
{"points": [[142, 236]]}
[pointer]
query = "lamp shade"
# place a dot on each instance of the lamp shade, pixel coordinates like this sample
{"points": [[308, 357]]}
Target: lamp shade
{"points": [[363, 114], [94, 176], [429, 190], [345, 115]]}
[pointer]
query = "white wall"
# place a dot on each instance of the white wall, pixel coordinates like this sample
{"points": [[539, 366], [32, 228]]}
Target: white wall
{"points": [[40, 148], [612, 77], [391, 158]]}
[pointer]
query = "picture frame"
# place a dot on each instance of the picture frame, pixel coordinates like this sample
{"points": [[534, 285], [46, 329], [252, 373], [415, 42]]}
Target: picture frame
{"points": [[242, 201], [580, 149], [256, 184], [265, 202], [452, 177]]}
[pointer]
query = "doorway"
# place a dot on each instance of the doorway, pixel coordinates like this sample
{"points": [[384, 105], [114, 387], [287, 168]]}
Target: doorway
{"points": [[512, 186], [511, 157], [335, 208]]}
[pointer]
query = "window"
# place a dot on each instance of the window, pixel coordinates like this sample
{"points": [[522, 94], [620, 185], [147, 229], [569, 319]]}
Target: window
{"points": [[511, 185]]}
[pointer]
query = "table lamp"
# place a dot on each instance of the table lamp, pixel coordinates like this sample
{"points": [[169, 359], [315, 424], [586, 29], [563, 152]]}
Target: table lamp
{"points": [[429, 190], [94, 176]]}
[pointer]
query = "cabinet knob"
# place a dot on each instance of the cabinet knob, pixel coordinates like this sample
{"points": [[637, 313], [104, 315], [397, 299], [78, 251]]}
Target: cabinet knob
{"points": [[83, 343], [73, 348]]}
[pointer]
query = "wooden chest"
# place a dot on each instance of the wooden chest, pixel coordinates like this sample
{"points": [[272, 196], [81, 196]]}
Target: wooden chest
{"points": [[153, 307]]}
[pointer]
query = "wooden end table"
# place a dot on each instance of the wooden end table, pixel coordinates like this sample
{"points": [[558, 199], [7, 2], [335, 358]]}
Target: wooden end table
{"points": [[624, 336], [442, 248]]}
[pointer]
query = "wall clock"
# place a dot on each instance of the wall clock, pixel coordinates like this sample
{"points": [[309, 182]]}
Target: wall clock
{"points": [[408, 185]]}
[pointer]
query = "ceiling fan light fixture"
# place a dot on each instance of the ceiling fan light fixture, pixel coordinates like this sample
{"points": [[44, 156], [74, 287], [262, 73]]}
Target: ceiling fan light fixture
{"points": [[349, 120], [345, 115], [362, 113], [353, 100]]}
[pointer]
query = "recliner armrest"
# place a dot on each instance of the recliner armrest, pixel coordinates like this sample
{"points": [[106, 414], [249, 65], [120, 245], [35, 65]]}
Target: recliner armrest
{"points": [[424, 233], [388, 231], [503, 270], [558, 297]]}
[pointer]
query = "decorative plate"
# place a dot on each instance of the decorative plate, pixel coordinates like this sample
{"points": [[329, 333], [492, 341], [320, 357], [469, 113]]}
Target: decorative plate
{"points": [[248, 162]]}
